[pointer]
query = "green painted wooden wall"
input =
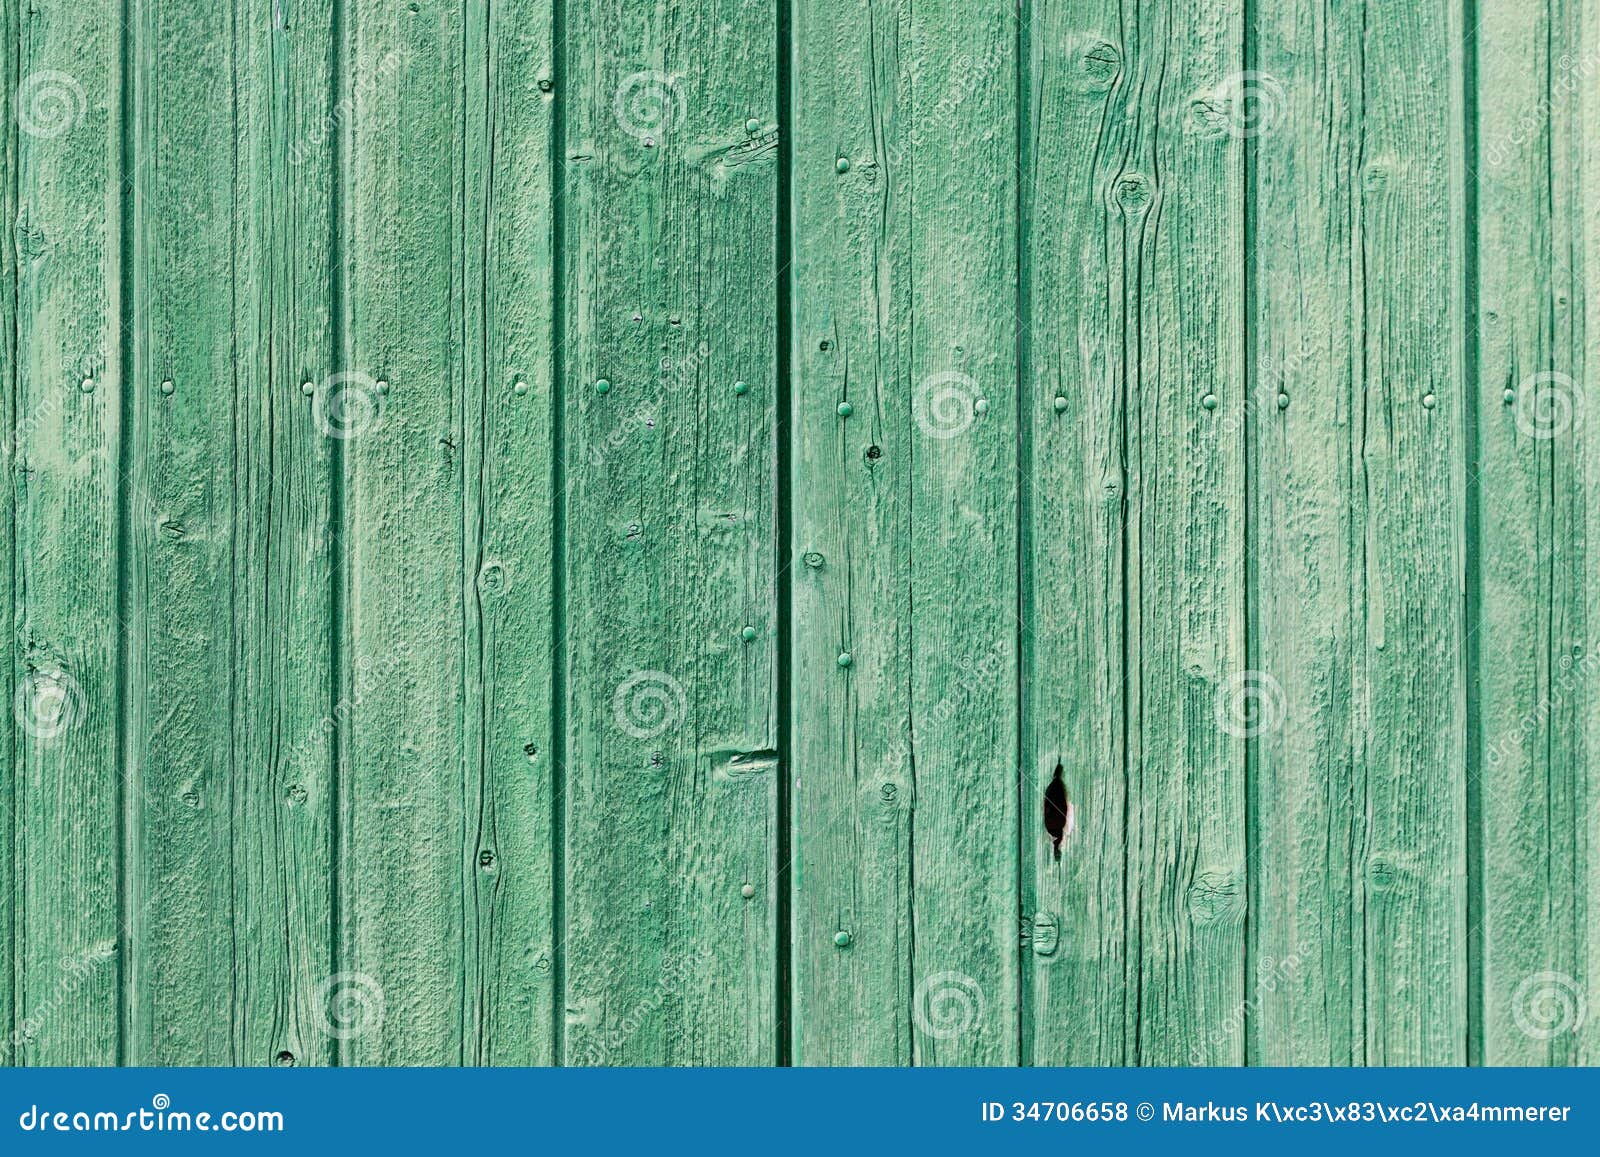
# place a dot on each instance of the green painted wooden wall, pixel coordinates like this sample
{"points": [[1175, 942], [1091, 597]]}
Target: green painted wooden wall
{"points": [[581, 531]]}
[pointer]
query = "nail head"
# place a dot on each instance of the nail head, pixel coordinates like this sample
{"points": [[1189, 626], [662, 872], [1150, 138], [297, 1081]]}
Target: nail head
{"points": [[602, 386], [842, 939], [844, 659]]}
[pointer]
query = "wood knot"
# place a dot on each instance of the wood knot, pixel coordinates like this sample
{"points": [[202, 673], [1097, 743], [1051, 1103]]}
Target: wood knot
{"points": [[1134, 193], [1100, 64], [492, 579], [1383, 873], [1215, 895]]}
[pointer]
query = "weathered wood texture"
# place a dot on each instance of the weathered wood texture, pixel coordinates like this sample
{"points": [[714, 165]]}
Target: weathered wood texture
{"points": [[1534, 782], [669, 399], [905, 532], [589, 532], [440, 400]]}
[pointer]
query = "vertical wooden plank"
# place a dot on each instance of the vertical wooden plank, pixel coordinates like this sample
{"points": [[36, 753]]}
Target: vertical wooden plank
{"points": [[229, 596], [9, 382], [228, 592], [1583, 155], [1535, 872], [69, 367], [445, 836], [905, 525], [1308, 628], [284, 716], [1179, 200], [1412, 513], [178, 487], [510, 525], [403, 843], [669, 390], [1078, 1008]]}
